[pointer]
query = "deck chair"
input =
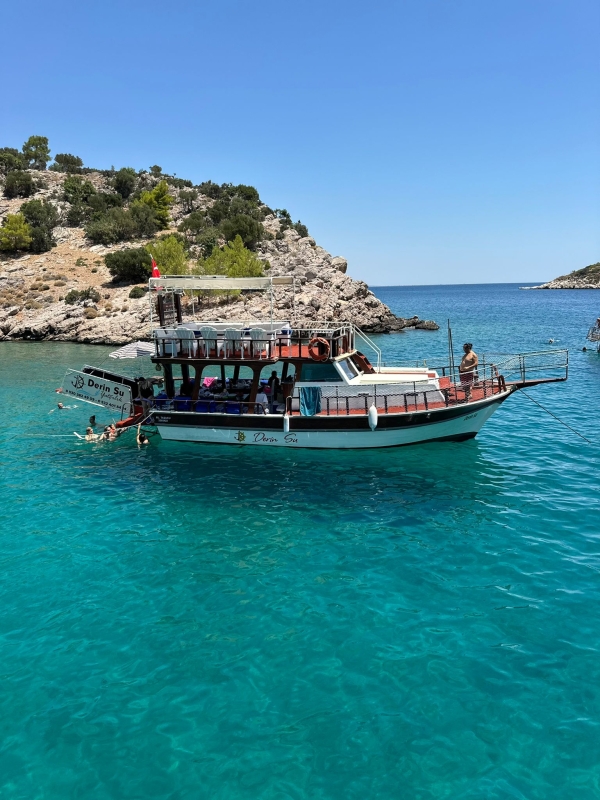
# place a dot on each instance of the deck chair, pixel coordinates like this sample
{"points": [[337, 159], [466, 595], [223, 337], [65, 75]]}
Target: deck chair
{"points": [[233, 342], [187, 342], [209, 340], [257, 343]]}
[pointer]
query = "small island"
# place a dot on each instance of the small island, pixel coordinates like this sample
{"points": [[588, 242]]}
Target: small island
{"points": [[586, 278], [77, 246]]}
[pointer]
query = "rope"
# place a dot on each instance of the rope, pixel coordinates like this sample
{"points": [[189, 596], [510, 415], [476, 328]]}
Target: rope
{"points": [[555, 417]]}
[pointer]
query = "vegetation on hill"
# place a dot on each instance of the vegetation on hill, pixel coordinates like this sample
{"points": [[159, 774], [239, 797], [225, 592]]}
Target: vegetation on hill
{"points": [[215, 229], [591, 274]]}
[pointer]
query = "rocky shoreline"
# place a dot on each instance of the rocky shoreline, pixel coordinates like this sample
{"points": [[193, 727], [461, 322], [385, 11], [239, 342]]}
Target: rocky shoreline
{"points": [[32, 287]]}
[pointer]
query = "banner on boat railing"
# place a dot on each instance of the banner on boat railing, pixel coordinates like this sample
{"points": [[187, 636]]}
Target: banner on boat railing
{"points": [[98, 391]]}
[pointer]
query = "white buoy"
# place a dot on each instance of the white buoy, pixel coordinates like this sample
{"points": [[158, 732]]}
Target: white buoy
{"points": [[286, 423], [373, 417]]}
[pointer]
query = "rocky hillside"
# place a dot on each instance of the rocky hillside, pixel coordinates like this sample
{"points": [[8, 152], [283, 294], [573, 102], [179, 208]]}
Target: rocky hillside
{"points": [[33, 286], [586, 278]]}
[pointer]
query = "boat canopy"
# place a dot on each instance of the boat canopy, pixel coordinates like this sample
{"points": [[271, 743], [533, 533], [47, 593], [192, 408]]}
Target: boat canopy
{"points": [[206, 282]]}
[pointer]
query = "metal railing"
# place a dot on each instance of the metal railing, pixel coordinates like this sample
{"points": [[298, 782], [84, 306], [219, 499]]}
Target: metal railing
{"points": [[593, 334], [404, 402], [274, 346], [517, 367]]}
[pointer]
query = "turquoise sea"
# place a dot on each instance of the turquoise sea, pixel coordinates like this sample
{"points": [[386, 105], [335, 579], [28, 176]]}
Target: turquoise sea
{"points": [[186, 622]]}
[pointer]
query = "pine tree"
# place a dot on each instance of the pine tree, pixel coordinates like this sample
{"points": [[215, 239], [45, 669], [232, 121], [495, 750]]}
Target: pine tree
{"points": [[15, 233]]}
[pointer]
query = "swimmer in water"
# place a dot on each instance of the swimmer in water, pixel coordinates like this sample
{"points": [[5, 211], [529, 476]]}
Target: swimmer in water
{"points": [[90, 436], [141, 437]]}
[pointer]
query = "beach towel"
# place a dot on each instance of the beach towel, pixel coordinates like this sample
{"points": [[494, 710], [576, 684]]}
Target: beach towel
{"points": [[310, 400], [208, 382]]}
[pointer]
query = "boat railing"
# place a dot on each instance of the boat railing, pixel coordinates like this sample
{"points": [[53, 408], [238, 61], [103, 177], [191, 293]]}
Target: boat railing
{"points": [[251, 343], [593, 334], [542, 365], [360, 336], [419, 399]]}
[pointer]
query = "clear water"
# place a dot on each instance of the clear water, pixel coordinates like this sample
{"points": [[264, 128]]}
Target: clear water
{"points": [[194, 622]]}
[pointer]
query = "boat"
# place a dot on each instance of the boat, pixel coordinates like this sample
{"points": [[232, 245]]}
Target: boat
{"points": [[593, 334], [283, 383]]}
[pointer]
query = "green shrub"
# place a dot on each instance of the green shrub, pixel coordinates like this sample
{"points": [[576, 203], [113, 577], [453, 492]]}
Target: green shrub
{"points": [[117, 225], [75, 296], [137, 292], [77, 189], [248, 193], [124, 181], [36, 152], [40, 214], [18, 184], [77, 215], [207, 240], [41, 240], [65, 162], [244, 226], [301, 229], [11, 159], [15, 233], [187, 198], [169, 254], [144, 218], [131, 266], [211, 189]]}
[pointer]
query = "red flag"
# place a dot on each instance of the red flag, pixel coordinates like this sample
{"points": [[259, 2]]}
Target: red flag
{"points": [[155, 270]]}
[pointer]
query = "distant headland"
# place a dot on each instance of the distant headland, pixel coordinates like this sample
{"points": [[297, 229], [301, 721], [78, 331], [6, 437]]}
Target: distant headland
{"points": [[586, 278], [77, 243]]}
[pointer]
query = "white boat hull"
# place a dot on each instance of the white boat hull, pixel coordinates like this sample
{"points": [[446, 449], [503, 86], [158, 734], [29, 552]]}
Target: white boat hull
{"points": [[464, 426]]}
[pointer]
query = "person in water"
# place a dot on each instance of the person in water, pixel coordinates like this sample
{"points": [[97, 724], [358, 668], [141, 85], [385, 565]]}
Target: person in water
{"points": [[141, 437], [468, 367], [90, 436], [93, 421]]}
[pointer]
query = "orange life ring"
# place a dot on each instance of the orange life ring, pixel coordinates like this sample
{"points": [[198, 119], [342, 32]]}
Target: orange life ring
{"points": [[315, 346]]}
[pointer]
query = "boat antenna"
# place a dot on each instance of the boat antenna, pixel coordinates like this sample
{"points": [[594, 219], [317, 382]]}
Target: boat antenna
{"points": [[450, 352]]}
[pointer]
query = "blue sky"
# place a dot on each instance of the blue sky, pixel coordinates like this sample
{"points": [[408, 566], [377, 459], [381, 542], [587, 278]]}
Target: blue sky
{"points": [[427, 141]]}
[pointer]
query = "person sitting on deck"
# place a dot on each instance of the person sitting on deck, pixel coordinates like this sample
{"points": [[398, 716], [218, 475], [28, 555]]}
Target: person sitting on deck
{"points": [[468, 367], [262, 398]]}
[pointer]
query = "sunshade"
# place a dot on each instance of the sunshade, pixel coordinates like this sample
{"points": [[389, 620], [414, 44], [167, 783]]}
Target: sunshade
{"points": [[134, 350]]}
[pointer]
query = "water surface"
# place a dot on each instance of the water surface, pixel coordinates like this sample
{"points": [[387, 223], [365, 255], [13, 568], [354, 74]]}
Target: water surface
{"points": [[200, 622]]}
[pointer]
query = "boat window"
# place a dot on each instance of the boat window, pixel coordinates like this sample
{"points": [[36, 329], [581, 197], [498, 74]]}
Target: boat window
{"points": [[348, 368], [319, 372]]}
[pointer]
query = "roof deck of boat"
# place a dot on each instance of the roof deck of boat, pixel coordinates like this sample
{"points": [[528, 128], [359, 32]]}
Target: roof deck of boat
{"points": [[252, 342]]}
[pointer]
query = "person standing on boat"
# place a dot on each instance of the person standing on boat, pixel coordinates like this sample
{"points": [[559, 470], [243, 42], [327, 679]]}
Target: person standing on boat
{"points": [[468, 367]]}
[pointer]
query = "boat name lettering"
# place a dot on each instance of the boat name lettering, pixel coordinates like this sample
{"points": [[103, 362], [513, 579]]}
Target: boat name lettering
{"points": [[261, 437], [290, 438], [470, 416], [104, 388]]}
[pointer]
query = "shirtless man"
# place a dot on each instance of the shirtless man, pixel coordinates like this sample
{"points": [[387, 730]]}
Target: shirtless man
{"points": [[468, 367], [90, 436]]}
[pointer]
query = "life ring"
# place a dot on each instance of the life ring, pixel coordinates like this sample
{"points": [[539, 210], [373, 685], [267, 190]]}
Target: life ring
{"points": [[319, 349]]}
